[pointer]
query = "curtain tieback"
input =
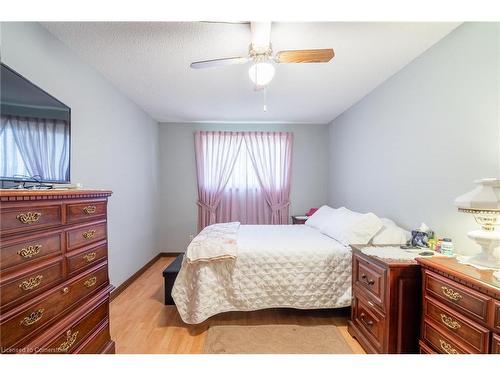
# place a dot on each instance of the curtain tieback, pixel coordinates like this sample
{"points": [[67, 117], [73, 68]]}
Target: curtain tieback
{"points": [[279, 206], [207, 207]]}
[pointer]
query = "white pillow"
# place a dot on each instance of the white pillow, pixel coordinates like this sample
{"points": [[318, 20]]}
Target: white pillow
{"points": [[349, 227], [390, 234], [320, 218]]}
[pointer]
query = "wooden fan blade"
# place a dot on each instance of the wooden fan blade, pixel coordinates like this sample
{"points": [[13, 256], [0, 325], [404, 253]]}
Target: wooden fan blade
{"points": [[219, 62], [305, 56]]}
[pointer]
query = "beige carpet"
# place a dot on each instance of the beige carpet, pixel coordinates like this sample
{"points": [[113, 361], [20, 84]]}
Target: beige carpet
{"points": [[275, 339]]}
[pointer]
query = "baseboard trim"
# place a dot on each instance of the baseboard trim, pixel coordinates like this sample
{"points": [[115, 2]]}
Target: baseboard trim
{"points": [[136, 275]]}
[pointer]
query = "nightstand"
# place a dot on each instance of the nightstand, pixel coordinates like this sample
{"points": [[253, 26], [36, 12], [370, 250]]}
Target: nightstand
{"points": [[461, 308], [299, 219], [386, 303]]}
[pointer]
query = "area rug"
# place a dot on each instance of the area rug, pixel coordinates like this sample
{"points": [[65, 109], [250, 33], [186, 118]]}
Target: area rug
{"points": [[275, 339]]}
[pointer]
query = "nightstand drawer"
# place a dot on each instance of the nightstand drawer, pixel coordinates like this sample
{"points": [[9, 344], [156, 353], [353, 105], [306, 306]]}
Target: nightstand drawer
{"points": [[496, 322], [440, 342], [465, 300], [370, 321], [456, 325], [371, 279]]}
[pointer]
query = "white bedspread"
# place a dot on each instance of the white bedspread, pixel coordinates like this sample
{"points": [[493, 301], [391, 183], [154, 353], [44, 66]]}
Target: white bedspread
{"points": [[276, 266], [214, 243]]}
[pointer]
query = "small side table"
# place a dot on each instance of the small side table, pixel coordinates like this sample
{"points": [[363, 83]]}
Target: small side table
{"points": [[299, 219]]}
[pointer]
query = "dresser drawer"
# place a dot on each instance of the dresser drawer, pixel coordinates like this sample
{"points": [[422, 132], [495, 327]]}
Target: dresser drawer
{"points": [[26, 322], [86, 257], [77, 331], [440, 342], [30, 284], [27, 251], [496, 320], [495, 344], [464, 300], [370, 322], [85, 235], [20, 218], [457, 326], [370, 278], [424, 348], [97, 342], [84, 211]]}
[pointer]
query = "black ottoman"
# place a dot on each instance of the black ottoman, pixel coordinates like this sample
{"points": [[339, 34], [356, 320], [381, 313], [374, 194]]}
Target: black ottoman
{"points": [[169, 274]]}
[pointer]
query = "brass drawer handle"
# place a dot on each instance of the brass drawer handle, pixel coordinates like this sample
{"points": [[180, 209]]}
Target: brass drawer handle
{"points": [[89, 234], [90, 282], [368, 281], [31, 283], [89, 210], [29, 251], [29, 217], [34, 317], [369, 323], [451, 294], [89, 257], [65, 290], [70, 340], [447, 347], [449, 322]]}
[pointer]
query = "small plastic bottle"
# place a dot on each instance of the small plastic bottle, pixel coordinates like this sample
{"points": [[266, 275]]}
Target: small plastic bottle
{"points": [[447, 247]]}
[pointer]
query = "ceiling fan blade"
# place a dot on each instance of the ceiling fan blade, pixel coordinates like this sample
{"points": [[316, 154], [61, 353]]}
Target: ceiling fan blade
{"points": [[305, 56], [219, 62]]}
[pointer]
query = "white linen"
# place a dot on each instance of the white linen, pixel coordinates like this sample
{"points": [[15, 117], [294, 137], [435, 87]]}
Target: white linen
{"points": [[277, 266], [215, 242], [320, 218], [349, 227], [390, 234]]}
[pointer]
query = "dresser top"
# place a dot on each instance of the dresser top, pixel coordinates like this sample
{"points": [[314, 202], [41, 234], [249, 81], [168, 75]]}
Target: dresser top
{"points": [[30, 194], [468, 274]]}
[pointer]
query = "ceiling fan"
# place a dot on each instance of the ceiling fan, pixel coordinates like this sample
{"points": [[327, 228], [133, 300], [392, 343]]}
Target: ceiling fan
{"points": [[261, 72]]}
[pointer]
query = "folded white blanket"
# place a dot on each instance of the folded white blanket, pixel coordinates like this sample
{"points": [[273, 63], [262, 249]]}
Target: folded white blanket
{"points": [[215, 242]]}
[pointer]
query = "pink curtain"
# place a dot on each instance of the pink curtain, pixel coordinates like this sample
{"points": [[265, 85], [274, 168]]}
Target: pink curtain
{"points": [[271, 156], [216, 154]]}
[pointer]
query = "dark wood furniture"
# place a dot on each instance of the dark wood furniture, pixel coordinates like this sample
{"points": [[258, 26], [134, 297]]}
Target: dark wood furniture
{"points": [[54, 284], [298, 220], [385, 309], [169, 275], [461, 308]]}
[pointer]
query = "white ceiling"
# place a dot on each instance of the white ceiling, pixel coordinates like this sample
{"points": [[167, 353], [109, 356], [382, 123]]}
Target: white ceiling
{"points": [[149, 62]]}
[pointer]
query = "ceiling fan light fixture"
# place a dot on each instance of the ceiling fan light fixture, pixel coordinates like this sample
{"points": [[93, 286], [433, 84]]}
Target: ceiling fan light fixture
{"points": [[261, 73]]}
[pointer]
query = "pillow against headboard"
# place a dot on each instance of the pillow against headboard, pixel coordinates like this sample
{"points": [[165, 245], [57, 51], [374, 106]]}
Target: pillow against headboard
{"points": [[349, 227], [321, 217], [391, 234]]}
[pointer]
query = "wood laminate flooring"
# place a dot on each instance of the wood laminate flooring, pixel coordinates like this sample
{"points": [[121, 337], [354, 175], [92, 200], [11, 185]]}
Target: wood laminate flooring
{"points": [[141, 323]]}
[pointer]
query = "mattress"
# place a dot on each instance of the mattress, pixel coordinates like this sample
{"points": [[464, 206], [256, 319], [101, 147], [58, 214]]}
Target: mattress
{"points": [[292, 266]]}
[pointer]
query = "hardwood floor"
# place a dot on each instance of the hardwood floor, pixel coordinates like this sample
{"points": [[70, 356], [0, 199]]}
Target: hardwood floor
{"points": [[141, 323]]}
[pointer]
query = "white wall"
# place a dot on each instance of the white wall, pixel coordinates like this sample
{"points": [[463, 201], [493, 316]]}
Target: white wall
{"points": [[409, 148], [114, 143], [178, 174]]}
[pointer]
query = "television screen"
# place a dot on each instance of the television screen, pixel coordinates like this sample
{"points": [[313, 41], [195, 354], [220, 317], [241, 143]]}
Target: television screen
{"points": [[34, 132]]}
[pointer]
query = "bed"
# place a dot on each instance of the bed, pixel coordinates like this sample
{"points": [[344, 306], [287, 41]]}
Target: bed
{"points": [[293, 266]]}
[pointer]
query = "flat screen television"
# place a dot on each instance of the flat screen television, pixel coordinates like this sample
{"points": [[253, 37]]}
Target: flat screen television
{"points": [[35, 132]]}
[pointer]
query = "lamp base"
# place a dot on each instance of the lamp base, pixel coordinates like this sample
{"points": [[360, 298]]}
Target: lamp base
{"points": [[489, 241]]}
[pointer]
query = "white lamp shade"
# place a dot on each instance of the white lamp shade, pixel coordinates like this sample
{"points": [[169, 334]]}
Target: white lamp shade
{"points": [[261, 73], [485, 196]]}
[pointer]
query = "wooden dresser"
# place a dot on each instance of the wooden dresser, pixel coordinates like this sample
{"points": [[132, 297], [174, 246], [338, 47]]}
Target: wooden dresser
{"points": [[385, 309], [54, 286], [461, 308]]}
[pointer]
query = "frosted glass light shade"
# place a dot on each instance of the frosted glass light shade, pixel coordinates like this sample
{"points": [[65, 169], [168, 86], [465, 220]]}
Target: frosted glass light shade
{"points": [[261, 73]]}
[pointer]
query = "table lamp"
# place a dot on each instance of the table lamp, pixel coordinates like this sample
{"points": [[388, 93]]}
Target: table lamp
{"points": [[484, 203]]}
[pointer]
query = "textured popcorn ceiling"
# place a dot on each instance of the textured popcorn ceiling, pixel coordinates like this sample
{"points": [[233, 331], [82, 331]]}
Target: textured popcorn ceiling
{"points": [[149, 62]]}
